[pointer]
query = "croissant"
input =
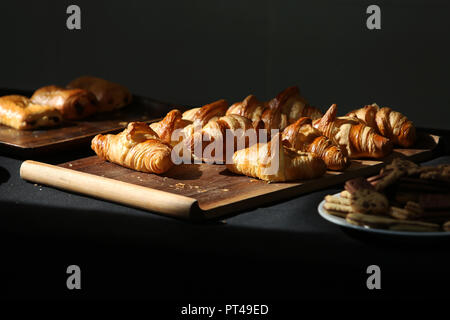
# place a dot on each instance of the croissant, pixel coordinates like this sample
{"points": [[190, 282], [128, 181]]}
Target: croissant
{"points": [[226, 135], [137, 147], [72, 103], [110, 95], [272, 162], [20, 113], [207, 112], [250, 108], [389, 123], [286, 108], [352, 134], [302, 136], [165, 128]]}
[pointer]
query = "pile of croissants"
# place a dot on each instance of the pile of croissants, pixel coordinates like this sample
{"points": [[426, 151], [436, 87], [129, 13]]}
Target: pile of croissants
{"points": [[301, 142]]}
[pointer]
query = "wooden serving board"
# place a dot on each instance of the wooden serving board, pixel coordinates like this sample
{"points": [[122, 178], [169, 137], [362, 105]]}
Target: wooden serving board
{"points": [[77, 132], [196, 191]]}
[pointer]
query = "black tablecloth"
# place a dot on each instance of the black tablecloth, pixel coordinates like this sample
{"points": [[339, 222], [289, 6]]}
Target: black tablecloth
{"points": [[285, 250]]}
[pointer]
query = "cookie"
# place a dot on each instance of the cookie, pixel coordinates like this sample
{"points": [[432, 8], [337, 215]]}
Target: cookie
{"points": [[338, 213], [389, 179], [338, 200], [402, 214], [369, 202], [379, 222], [356, 184], [337, 207], [345, 194]]}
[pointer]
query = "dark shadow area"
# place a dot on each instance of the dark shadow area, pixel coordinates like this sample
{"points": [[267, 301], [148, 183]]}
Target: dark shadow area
{"points": [[4, 175], [184, 172], [147, 257]]}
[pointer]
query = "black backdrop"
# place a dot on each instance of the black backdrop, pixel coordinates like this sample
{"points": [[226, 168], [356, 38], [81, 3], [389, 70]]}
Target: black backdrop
{"points": [[193, 52]]}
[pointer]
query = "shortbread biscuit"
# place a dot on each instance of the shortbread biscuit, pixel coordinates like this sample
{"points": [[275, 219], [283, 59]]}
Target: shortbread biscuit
{"points": [[338, 200], [337, 207]]}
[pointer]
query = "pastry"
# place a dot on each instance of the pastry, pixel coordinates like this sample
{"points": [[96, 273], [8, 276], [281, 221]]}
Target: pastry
{"points": [[20, 113], [110, 95], [351, 134], [167, 127], [387, 122], [271, 161], [286, 108], [72, 103], [203, 114], [138, 147], [250, 108], [224, 135], [302, 136]]}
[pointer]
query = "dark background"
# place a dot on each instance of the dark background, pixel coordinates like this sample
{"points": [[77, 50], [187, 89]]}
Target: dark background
{"points": [[194, 52]]}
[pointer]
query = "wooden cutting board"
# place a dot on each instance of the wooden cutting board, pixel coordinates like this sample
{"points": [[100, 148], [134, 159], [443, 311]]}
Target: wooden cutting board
{"points": [[197, 191], [77, 132]]}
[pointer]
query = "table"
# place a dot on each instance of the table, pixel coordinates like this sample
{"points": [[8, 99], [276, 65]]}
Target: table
{"points": [[282, 251]]}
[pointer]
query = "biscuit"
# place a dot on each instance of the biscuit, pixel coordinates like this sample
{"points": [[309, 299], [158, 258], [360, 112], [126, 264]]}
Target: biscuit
{"points": [[345, 194], [369, 202], [337, 207], [379, 222], [338, 200], [337, 213]]}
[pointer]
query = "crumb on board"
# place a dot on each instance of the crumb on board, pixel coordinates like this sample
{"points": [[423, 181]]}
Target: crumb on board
{"points": [[123, 123], [225, 190], [70, 165], [180, 185], [201, 190], [253, 180]]}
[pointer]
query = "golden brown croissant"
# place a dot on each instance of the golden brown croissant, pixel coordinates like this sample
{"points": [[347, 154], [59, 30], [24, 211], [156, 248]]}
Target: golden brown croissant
{"points": [[389, 123], [20, 113], [202, 115], [110, 95], [137, 147], [302, 136], [355, 136], [250, 108], [286, 108], [272, 162], [224, 135], [167, 126], [72, 103]]}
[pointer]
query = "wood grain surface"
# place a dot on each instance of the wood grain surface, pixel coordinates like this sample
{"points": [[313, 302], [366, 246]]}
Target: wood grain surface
{"points": [[215, 190], [75, 132]]}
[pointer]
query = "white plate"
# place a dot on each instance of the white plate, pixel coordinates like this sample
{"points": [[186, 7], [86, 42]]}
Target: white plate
{"points": [[342, 222]]}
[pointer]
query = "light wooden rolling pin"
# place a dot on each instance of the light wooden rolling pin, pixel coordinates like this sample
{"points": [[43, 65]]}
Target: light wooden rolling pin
{"points": [[109, 189]]}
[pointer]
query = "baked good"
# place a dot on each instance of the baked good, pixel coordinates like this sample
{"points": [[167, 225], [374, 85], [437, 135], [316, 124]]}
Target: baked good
{"points": [[166, 129], [369, 202], [272, 162], [387, 122], [202, 115], [221, 137], [355, 136], [138, 147], [302, 136], [250, 108], [19, 112], [72, 103], [286, 108], [110, 95]]}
